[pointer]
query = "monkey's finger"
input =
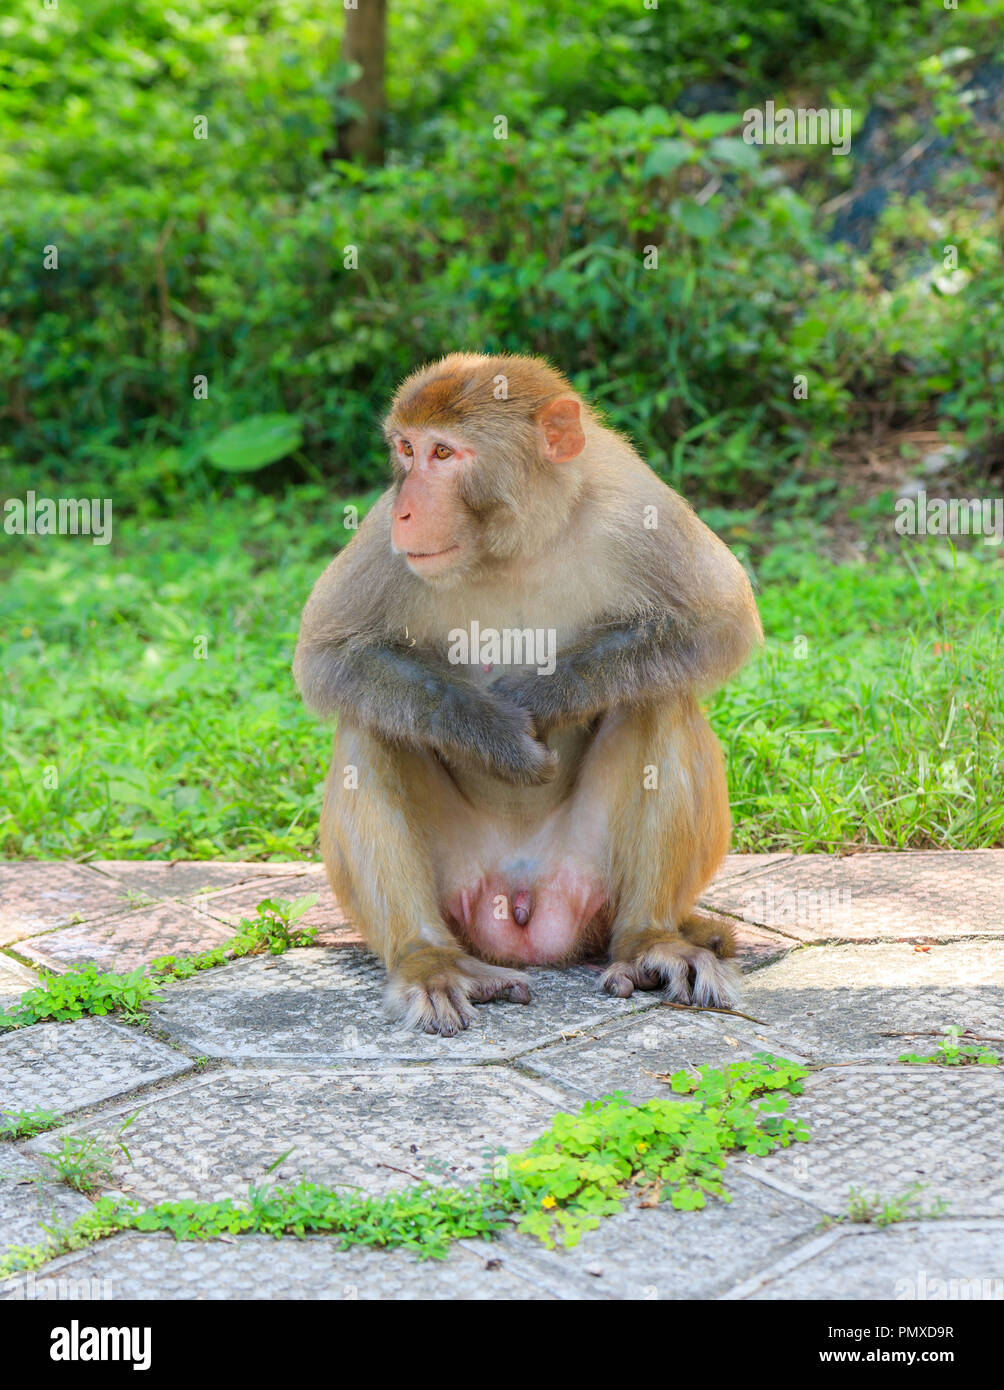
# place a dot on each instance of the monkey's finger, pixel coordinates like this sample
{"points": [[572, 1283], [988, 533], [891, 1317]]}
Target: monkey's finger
{"points": [[616, 980]]}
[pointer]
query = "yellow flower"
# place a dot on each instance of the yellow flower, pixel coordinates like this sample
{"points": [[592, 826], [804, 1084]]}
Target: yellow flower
{"points": [[548, 1202], [641, 1146]]}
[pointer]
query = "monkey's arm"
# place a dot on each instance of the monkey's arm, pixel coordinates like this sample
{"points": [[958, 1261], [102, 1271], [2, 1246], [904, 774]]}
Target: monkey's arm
{"points": [[630, 662], [409, 697]]}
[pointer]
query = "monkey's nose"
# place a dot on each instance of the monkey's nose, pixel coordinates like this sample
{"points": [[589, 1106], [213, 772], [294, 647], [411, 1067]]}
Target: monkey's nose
{"points": [[522, 906]]}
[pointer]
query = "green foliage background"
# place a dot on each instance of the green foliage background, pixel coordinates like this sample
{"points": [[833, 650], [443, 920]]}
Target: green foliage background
{"points": [[225, 258]]}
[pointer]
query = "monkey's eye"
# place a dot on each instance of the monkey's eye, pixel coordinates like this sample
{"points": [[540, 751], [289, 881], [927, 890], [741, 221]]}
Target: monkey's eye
{"points": [[406, 448], [442, 451]]}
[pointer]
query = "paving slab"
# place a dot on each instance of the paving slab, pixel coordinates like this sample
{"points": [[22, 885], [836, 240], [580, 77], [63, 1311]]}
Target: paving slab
{"points": [[835, 1003], [880, 1129], [917, 1261], [743, 866], [655, 1253], [123, 942], [15, 978], [912, 894], [377, 1129], [35, 897], [333, 927], [29, 1200], [313, 1003], [260, 1267], [185, 878], [308, 1071], [64, 1066], [756, 947], [230, 905], [623, 1055]]}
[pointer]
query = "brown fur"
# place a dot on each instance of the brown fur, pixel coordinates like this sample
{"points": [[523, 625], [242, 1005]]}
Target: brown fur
{"points": [[450, 763]]}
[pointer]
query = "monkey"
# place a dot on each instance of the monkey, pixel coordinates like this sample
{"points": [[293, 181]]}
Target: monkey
{"points": [[515, 643]]}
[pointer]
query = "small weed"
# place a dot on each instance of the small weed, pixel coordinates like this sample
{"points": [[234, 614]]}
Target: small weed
{"points": [[272, 930], [952, 1051], [876, 1210], [84, 1161], [23, 1124]]}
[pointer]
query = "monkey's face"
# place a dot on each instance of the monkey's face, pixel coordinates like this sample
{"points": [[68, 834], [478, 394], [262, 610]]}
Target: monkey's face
{"points": [[430, 525], [477, 495]]}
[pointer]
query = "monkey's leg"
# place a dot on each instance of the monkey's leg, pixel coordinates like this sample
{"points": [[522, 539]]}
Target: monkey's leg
{"points": [[669, 830], [382, 874]]}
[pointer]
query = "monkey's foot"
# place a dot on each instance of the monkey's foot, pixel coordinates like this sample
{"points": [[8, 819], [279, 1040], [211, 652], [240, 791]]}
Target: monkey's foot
{"points": [[435, 989], [689, 974]]}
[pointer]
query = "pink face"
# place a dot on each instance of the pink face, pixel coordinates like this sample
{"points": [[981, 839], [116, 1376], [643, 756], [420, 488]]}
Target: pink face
{"points": [[426, 522]]}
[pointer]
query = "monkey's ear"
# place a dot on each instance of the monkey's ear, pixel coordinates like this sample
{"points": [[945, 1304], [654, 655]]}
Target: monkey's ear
{"points": [[560, 425]]}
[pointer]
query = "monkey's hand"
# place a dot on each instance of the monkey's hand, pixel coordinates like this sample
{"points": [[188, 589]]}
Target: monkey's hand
{"points": [[413, 697], [622, 662], [435, 988], [496, 732]]}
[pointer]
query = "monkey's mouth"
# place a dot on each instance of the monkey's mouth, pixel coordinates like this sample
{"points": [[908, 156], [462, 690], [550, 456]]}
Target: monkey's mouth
{"points": [[412, 555]]}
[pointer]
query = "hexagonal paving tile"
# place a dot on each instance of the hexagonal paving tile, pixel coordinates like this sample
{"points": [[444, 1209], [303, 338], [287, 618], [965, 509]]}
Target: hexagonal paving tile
{"points": [[123, 942], [659, 1253], [922, 1261], [63, 1066], [37, 896], [259, 1267], [378, 1129], [913, 894], [622, 1056], [836, 1002], [881, 1129], [321, 1004], [29, 1200]]}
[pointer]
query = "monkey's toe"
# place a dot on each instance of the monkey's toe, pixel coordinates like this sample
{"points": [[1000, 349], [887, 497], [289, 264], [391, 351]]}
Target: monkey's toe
{"points": [[622, 978], [441, 1001], [485, 982], [692, 974], [617, 981]]}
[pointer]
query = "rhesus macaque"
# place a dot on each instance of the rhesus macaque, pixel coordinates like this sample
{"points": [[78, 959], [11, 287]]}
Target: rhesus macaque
{"points": [[540, 787]]}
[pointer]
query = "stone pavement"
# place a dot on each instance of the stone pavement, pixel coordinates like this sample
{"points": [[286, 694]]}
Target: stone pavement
{"points": [[846, 959]]}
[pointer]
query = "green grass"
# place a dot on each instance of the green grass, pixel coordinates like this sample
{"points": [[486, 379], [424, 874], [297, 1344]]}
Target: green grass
{"points": [[119, 740]]}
